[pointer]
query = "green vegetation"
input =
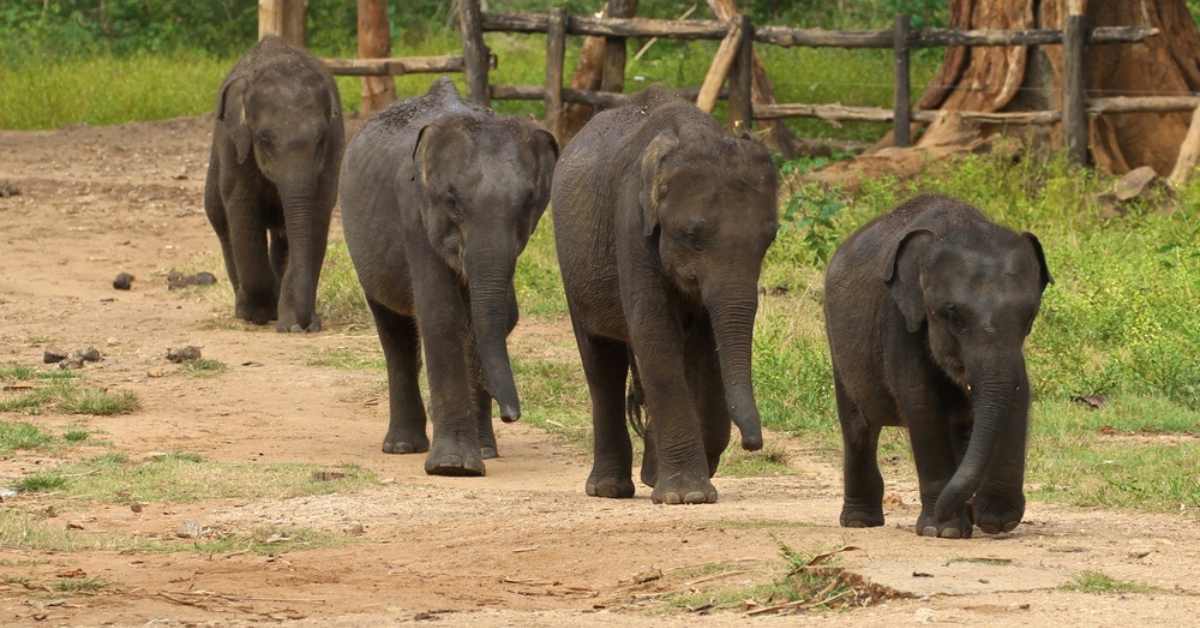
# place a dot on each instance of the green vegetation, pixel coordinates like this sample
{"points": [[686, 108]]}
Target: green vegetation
{"points": [[186, 477], [738, 463], [15, 436], [1100, 583], [204, 367], [76, 436], [37, 392], [86, 584]]}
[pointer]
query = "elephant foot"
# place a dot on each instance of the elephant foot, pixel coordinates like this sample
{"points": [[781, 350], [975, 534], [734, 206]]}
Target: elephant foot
{"points": [[959, 527], [859, 517], [257, 314], [454, 458], [284, 327], [488, 453], [405, 444], [487, 441], [995, 514], [684, 489], [609, 485]]}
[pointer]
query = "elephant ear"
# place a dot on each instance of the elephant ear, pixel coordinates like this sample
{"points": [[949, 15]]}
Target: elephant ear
{"points": [[1041, 257], [335, 101], [902, 274], [231, 112], [546, 153], [653, 180]]}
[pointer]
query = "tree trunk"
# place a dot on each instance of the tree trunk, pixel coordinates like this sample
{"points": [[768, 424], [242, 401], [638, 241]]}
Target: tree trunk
{"points": [[777, 135], [589, 74], [375, 41], [284, 18], [1031, 78]]}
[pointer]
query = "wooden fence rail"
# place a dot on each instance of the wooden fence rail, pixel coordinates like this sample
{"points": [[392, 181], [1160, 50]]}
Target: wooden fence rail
{"points": [[396, 66], [733, 63]]}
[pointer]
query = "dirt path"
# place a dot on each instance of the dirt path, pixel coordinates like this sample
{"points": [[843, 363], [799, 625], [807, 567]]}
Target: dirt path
{"points": [[522, 547]]}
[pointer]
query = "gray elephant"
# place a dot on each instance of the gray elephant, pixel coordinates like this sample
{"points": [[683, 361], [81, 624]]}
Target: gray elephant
{"points": [[662, 220], [276, 150], [439, 197], [927, 309]]}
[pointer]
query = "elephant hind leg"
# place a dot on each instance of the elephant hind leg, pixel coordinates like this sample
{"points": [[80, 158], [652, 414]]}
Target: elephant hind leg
{"points": [[862, 505], [606, 363], [401, 347]]}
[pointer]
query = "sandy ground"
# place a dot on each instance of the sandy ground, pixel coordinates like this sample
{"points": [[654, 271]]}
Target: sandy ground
{"points": [[521, 547]]}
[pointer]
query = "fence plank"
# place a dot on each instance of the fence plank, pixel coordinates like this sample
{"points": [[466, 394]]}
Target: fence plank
{"points": [[608, 26], [843, 113], [394, 66], [556, 45], [599, 99], [1143, 104], [903, 91], [719, 70], [741, 80], [1074, 105], [475, 52]]}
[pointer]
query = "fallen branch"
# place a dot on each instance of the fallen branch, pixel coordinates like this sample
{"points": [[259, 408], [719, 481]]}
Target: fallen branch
{"points": [[653, 40], [798, 605], [714, 577]]}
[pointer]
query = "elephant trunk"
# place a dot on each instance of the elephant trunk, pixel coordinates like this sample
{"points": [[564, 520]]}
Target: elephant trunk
{"points": [[732, 312], [493, 313], [995, 395], [304, 252]]}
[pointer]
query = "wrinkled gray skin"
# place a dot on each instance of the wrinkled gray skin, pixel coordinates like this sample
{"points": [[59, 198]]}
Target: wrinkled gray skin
{"points": [[439, 197], [927, 309], [662, 221], [276, 150]]}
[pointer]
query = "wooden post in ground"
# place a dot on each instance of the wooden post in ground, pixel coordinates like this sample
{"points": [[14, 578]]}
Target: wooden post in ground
{"points": [[613, 75], [475, 52], [556, 47], [1189, 154], [284, 18], [741, 80], [374, 42], [1074, 107], [710, 90], [903, 132]]}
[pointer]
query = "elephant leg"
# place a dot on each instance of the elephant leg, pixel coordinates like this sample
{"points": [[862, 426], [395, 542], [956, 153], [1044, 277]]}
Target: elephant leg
{"points": [[934, 451], [605, 364], [279, 255], [681, 462], [406, 411], [255, 300], [488, 448], [862, 503], [214, 207], [305, 253], [444, 324], [708, 392]]}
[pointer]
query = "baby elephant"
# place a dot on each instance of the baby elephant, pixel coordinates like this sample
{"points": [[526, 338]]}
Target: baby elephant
{"points": [[662, 220], [439, 197], [273, 170], [927, 309]]}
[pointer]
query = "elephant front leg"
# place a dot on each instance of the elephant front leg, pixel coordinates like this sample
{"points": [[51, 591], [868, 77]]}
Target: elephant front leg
{"points": [[934, 454], [256, 287]]}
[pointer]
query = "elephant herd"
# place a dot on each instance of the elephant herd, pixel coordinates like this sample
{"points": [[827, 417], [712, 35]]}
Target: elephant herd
{"points": [[662, 220]]}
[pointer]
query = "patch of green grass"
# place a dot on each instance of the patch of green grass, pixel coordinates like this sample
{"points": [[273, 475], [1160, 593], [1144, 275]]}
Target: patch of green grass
{"points": [[60, 390], [76, 436], [769, 461], [42, 482], [1099, 583], [349, 359], [88, 584], [15, 436], [204, 367], [186, 477], [99, 402], [16, 372], [339, 296], [269, 541], [809, 580], [554, 397]]}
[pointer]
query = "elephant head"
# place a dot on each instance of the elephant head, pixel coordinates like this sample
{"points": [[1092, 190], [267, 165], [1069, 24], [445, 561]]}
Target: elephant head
{"points": [[486, 182], [292, 124], [976, 294], [713, 212]]}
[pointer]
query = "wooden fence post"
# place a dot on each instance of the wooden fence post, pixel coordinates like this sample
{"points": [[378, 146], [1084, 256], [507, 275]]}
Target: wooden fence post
{"points": [[613, 74], [741, 80], [375, 41], [1074, 106], [903, 105], [728, 52], [284, 18], [475, 52], [556, 46]]}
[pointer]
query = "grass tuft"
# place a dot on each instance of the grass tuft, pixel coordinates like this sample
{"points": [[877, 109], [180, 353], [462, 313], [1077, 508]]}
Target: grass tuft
{"points": [[1099, 583]]}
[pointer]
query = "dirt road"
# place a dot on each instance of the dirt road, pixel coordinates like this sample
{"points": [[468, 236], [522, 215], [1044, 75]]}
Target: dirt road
{"points": [[521, 547]]}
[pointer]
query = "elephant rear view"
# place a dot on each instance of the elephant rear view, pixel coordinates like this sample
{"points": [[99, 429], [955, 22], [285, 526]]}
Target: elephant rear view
{"points": [[927, 309], [662, 220], [439, 197], [276, 151]]}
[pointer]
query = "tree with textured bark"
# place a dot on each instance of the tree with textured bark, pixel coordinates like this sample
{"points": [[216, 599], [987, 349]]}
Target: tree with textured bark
{"points": [[589, 73], [1031, 78], [375, 41]]}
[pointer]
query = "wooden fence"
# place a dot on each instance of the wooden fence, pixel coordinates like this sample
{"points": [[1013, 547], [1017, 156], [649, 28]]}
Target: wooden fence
{"points": [[735, 54]]}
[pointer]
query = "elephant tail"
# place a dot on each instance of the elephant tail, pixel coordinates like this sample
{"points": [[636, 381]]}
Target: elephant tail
{"points": [[635, 399]]}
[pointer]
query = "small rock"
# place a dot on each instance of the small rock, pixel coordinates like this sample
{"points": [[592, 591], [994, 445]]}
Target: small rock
{"points": [[8, 189], [6, 493], [1133, 184], [176, 279], [91, 354], [189, 529], [53, 356], [124, 281], [73, 361], [157, 372], [135, 507], [71, 525], [183, 354], [112, 342], [50, 512]]}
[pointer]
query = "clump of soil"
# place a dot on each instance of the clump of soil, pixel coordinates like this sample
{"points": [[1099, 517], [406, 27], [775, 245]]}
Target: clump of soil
{"points": [[183, 354], [177, 280], [124, 281]]}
